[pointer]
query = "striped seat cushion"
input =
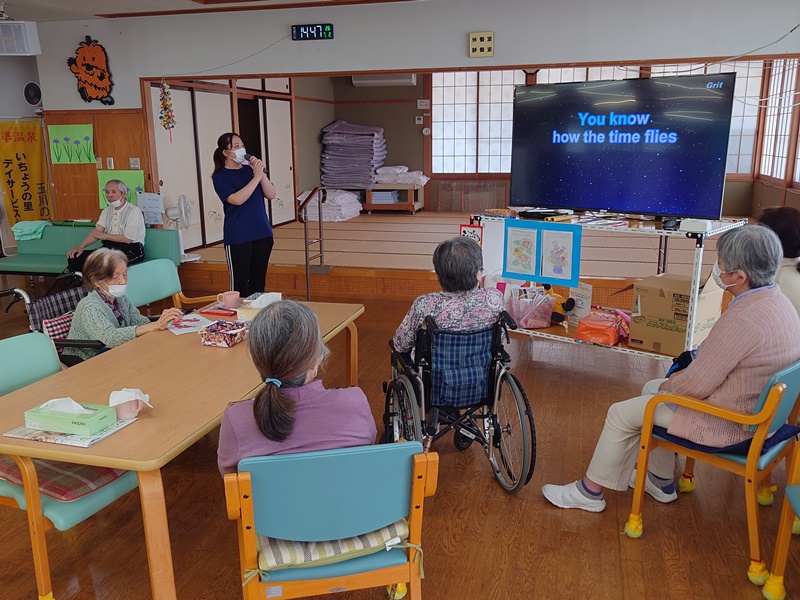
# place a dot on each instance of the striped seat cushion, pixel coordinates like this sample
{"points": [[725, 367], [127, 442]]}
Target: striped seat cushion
{"points": [[275, 554], [59, 480]]}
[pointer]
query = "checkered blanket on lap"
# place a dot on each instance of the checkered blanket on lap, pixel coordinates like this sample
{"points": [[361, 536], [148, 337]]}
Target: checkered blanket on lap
{"points": [[460, 367]]}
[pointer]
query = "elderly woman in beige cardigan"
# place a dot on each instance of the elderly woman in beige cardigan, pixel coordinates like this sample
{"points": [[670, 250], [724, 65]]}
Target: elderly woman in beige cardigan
{"points": [[755, 337]]}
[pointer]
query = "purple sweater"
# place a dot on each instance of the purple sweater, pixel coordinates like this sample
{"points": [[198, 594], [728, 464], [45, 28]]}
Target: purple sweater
{"points": [[324, 419]]}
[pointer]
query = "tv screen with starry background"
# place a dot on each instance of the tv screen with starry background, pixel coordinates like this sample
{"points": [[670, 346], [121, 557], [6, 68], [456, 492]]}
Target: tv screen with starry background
{"points": [[639, 146]]}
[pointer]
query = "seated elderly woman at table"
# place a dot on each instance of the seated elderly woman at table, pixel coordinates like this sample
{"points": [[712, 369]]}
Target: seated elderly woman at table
{"points": [[462, 306], [292, 412], [105, 314], [755, 337]]}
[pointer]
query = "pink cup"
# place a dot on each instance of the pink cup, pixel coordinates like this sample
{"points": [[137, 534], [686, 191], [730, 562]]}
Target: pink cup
{"points": [[129, 410], [229, 299]]}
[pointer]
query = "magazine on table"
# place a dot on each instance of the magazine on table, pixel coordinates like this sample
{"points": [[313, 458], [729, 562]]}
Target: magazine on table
{"points": [[191, 323], [67, 439]]}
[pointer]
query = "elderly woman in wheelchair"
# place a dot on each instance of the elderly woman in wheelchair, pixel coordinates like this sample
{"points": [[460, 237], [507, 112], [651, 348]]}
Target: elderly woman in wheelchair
{"points": [[105, 314], [292, 412], [755, 337], [458, 377]]}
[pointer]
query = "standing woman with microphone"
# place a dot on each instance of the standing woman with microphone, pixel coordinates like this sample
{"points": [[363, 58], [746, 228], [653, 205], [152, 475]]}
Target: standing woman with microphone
{"points": [[241, 182]]}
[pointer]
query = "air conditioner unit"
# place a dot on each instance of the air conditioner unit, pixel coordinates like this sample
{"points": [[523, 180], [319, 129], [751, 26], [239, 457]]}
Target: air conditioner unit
{"points": [[19, 38], [385, 80]]}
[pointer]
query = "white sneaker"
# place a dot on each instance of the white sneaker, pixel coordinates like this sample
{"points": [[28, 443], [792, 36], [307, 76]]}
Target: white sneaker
{"points": [[569, 496], [653, 490]]}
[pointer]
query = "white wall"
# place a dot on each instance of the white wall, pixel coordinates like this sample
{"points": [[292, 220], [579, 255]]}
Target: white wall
{"points": [[409, 35], [16, 71]]}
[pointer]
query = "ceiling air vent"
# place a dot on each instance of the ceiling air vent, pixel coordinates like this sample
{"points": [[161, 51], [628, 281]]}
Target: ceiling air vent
{"points": [[385, 80], [19, 38]]}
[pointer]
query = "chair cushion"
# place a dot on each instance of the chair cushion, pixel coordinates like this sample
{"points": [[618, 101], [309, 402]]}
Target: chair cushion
{"points": [[785, 432], [63, 481], [275, 554], [58, 328]]}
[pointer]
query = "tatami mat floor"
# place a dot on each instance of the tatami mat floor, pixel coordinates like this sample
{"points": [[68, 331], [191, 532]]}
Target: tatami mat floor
{"points": [[377, 241]]}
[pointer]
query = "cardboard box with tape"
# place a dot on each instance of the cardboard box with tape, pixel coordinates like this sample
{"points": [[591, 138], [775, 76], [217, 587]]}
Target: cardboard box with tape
{"points": [[661, 310]]}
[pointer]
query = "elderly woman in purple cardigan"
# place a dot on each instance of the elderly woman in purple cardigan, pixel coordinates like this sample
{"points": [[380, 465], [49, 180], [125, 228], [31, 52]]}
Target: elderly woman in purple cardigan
{"points": [[293, 412]]}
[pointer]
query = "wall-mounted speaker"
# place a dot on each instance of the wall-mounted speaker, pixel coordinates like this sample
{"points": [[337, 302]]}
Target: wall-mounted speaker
{"points": [[32, 93]]}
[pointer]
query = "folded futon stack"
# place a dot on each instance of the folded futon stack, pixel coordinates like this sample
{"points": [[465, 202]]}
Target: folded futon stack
{"points": [[339, 205], [350, 154]]}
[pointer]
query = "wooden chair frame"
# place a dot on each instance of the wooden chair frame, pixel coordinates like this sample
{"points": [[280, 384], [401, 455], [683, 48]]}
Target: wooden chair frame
{"points": [[753, 476], [774, 588], [239, 501]]}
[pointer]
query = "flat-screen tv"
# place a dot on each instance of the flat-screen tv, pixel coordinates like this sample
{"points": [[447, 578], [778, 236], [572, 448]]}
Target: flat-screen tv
{"points": [[643, 146]]}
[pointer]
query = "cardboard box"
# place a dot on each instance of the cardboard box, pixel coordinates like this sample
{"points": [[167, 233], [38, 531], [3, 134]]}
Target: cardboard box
{"points": [[61, 422], [661, 309]]}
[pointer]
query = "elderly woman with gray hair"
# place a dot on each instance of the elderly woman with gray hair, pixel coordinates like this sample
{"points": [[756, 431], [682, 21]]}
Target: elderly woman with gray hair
{"points": [[755, 337], [293, 412], [462, 306]]}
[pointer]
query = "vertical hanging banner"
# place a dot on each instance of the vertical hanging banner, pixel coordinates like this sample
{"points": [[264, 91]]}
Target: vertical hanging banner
{"points": [[24, 171]]}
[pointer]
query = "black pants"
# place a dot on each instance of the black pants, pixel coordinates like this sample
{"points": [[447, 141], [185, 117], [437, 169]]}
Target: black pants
{"points": [[247, 265], [134, 252]]}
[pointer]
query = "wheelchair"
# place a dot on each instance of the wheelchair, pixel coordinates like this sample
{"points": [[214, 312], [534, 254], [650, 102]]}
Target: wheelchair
{"points": [[461, 381]]}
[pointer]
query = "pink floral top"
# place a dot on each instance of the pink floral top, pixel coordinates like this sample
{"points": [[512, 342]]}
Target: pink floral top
{"points": [[453, 311]]}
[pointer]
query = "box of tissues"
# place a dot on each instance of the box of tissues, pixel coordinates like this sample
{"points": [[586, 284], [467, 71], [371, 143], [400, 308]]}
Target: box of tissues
{"points": [[253, 304], [64, 415]]}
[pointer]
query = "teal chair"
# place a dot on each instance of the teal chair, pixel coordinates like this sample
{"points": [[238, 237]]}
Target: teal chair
{"points": [[157, 279], [773, 423], [299, 514], [26, 359]]}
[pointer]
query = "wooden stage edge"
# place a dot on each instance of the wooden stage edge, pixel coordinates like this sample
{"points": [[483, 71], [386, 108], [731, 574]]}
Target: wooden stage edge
{"points": [[354, 283]]}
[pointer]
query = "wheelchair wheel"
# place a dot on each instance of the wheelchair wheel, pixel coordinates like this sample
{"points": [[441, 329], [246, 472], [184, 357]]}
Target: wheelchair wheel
{"points": [[513, 444], [402, 412], [461, 441]]}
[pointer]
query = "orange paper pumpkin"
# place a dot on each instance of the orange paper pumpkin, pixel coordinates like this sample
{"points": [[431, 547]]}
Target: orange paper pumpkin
{"points": [[90, 67]]}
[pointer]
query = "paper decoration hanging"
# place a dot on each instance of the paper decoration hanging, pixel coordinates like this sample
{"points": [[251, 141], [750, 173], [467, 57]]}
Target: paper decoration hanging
{"points": [[90, 67], [166, 115]]}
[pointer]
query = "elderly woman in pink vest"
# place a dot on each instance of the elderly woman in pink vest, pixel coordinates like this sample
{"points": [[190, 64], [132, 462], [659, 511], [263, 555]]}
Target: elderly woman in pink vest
{"points": [[755, 337]]}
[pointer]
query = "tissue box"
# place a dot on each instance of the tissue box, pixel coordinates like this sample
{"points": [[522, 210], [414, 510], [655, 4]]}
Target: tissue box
{"points": [[246, 313], [223, 334], [61, 422]]}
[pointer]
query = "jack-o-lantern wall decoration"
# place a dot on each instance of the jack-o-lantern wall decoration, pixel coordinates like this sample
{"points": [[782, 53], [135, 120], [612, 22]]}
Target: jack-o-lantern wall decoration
{"points": [[90, 67]]}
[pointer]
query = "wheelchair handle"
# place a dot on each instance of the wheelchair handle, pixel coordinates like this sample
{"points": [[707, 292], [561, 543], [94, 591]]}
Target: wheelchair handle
{"points": [[430, 325], [18, 295], [507, 319]]}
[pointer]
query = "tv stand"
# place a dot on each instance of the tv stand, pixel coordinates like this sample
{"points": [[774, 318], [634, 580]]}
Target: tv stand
{"points": [[564, 334]]}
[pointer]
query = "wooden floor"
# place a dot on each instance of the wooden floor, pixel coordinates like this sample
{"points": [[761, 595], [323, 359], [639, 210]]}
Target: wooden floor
{"points": [[478, 541]]}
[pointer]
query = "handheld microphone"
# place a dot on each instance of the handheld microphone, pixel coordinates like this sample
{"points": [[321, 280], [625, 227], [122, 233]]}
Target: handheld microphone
{"points": [[248, 157]]}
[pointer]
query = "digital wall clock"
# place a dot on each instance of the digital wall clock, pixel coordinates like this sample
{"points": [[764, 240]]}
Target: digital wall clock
{"points": [[317, 31]]}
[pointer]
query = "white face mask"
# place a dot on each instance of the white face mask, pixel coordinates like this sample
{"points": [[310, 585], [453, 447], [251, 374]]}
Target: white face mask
{"points": [[115, 204], [116, 291], [716, 273], [239, 155]]}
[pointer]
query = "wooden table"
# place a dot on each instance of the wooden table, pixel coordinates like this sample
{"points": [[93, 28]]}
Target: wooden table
{"points": [[189, 385]]}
